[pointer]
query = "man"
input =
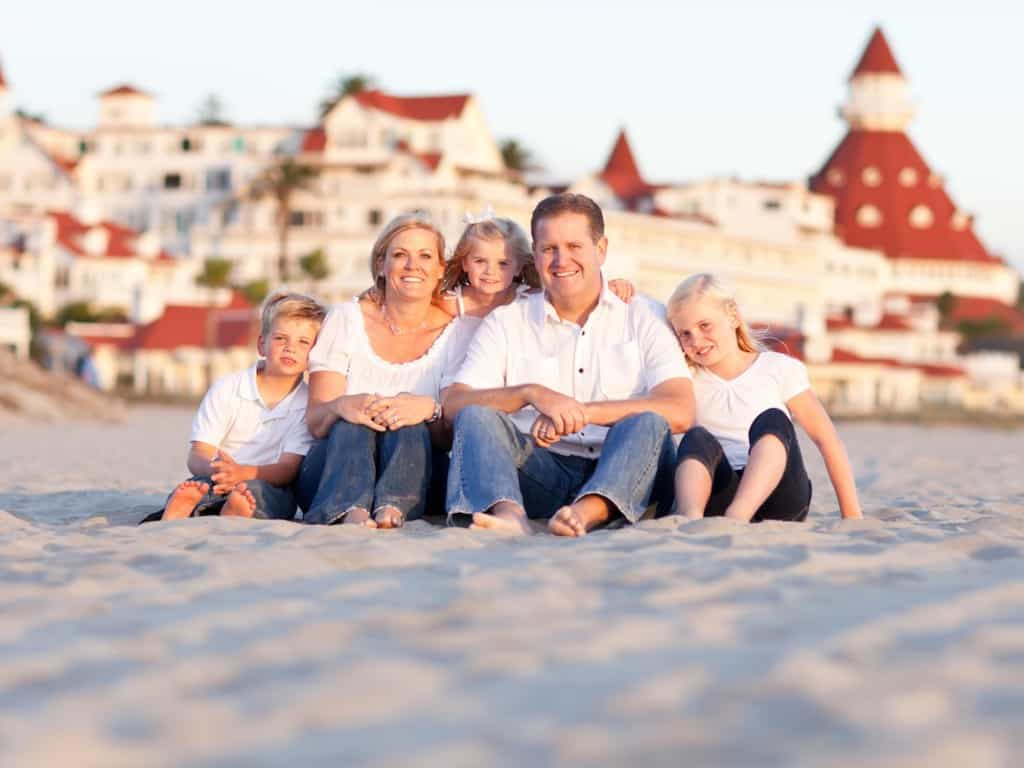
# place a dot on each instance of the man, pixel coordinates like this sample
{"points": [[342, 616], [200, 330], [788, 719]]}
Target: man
{"points": [[564, 406]]}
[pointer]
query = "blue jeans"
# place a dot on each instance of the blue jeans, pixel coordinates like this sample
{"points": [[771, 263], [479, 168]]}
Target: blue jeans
{"points": [[359, 468], [493, 461], [272, 502]]}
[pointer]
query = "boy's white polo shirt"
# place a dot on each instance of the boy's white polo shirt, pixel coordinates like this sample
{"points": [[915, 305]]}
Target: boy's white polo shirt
{"points": [[622, 351], [234, 418]]}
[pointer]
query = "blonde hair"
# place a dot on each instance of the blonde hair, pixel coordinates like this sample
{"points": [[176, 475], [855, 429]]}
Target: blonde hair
{"points": [[517, 245], [401, 223], [284, 304], [706, 285]]}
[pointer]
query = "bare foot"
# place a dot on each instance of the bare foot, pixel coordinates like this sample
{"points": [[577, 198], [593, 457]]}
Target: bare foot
{"points": [[580, 517], [240, 503], [359, 516], [505, 516], [184, 499], [388, 517]]}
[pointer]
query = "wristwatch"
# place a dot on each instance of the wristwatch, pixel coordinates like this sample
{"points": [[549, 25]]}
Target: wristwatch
{"points": [[436, 415]]}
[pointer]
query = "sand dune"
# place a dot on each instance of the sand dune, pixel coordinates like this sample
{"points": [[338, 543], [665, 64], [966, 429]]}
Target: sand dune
{"points": [[897, 640]]}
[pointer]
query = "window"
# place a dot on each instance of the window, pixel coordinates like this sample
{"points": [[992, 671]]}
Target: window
{"points": [[960, 221], [869, 216], [186, 144], [772, 205], [908, 177], [239, 144], [921, 217], [373, 218], [835, 177], [871, 176], [218, 179], [172, 181]]}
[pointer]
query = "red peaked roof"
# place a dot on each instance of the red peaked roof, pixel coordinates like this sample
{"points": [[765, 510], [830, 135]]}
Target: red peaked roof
{"points": [[125, 89], [979, 308], [121, 241], [901, 182], [877, 57], [3, 83], [315, 140], [621, 172], [197, 326], [426, 108]]}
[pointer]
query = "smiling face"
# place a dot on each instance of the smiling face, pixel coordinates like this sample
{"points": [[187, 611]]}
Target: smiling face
{"points": [[412, 266], [287, 346], [706, 330], [489, 267], [568, 260]]}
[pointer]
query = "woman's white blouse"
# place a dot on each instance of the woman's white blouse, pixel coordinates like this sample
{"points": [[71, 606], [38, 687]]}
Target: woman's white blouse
{"points": [[343, 347]]}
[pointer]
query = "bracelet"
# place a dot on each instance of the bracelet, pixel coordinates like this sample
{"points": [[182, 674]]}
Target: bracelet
{"points": [[436, 415]]}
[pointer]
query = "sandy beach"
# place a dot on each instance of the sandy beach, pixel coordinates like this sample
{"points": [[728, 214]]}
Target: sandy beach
{"points": [[896, 640]]}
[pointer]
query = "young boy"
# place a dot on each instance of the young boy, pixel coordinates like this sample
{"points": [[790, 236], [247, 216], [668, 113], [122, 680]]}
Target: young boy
{"points": [[249, 435]]}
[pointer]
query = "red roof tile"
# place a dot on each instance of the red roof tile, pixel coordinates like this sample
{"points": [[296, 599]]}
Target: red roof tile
{"points": [[840, 355], [977, 308], [877, 57], [121, 241], [425, 108], [125, 89], [890, 154], [887, 322], [198, 326], [622, 174], [314, 140]]}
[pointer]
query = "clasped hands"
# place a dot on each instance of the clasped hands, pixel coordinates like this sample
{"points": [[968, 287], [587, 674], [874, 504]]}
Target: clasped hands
{"points": [[384, 413], [560, 415], [226, 473]]}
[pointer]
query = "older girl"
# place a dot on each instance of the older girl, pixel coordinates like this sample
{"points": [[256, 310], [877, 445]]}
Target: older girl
{"points": [[742, 460], [375, 376]]}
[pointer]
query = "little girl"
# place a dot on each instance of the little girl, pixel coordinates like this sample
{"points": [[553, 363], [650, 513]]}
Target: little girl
{"points": [[742, 458]]}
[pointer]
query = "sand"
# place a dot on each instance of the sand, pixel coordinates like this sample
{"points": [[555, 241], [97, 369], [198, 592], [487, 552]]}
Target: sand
{"points": [[896, 640]]}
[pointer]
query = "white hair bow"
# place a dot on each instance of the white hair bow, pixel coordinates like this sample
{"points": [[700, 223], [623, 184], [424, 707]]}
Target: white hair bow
{"points": [[485, 215]]}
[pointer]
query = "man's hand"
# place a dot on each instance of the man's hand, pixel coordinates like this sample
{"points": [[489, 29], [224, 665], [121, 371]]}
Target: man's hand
{"points": [[360, 409], [544, 432], [566, 414], [226, 473]]}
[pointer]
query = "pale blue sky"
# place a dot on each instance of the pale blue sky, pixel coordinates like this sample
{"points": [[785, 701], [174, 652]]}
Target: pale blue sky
{"points": [[703, 88]]}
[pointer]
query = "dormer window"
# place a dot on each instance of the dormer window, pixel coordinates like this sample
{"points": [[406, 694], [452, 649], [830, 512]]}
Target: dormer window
{"points": [[835, 177], [871, 176], [960, 221], [934, 180], [908, 177], [921, 217], [869, 216]]}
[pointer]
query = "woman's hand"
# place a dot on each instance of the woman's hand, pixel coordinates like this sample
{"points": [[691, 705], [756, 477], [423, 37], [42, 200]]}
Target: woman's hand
{"points": [[360, 409], [402, 410]]}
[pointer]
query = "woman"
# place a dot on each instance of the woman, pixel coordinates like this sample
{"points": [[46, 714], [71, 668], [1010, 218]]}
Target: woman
{"points": [[375, 374]]}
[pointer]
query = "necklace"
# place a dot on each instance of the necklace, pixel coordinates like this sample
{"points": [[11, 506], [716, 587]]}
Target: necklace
{"points": [[396, 330]]}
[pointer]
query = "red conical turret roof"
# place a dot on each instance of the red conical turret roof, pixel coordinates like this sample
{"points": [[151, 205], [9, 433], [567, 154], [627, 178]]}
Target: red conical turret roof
{"points": [[621, 172], [877, 57]]}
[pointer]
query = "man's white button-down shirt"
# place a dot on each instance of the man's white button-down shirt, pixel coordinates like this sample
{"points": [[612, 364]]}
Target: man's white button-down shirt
{"points": [[622, 351]]}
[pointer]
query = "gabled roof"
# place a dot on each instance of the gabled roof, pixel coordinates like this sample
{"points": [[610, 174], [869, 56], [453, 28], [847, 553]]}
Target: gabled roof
{"points": [[199, 326], [424, 108], [977, 308], [900, 181], [877, 57], [314, 140], [621, 172], [125, 89], [121, 241]]}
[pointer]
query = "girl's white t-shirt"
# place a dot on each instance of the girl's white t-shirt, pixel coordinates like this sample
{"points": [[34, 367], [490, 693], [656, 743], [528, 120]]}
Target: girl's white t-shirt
{"points": [[727, 408], [343, 347]]}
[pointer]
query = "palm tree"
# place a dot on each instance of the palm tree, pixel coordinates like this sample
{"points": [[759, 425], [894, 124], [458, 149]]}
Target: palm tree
{"points": [[518, 159], [281, 181], [345, 85]]}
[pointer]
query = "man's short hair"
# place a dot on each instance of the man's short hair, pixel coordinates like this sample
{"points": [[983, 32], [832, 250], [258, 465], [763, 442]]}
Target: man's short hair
{"points": [[291, 306], [567, 202]]}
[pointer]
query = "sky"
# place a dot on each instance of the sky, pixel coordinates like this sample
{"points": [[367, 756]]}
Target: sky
{"points": [[725, 88]]}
